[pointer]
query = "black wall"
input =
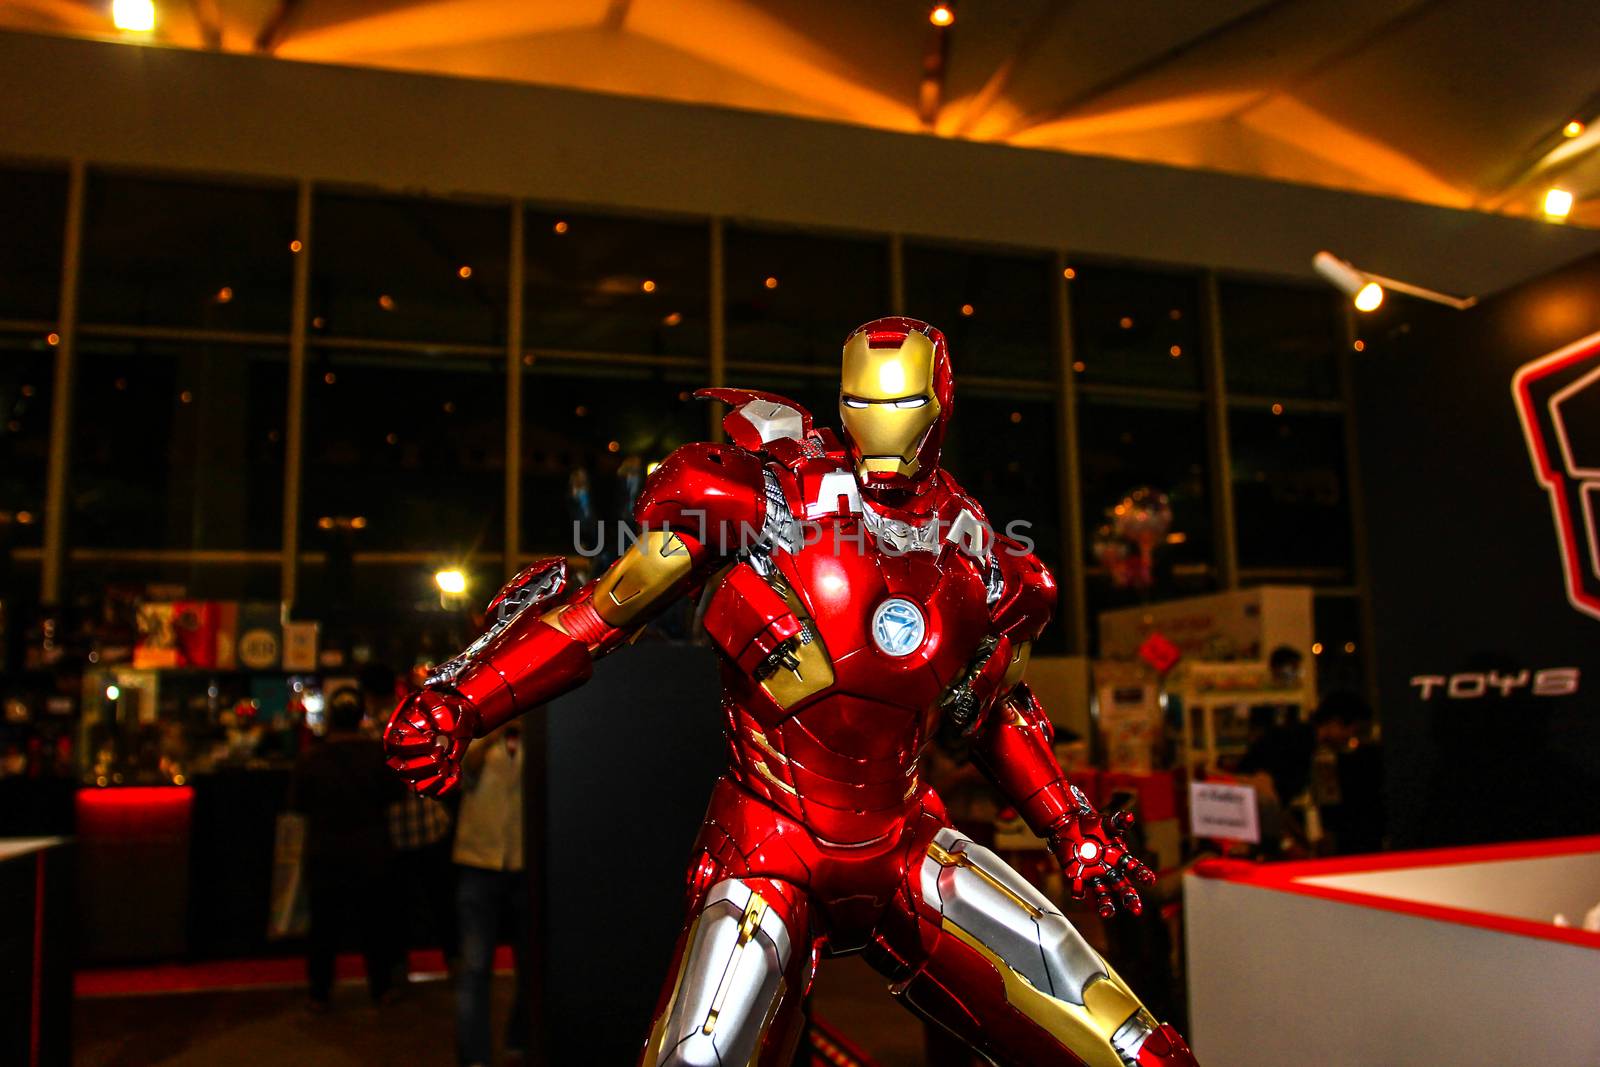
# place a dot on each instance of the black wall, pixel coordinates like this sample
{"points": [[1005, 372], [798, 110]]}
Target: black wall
{"points": [[631, 758], [1466, 572]]}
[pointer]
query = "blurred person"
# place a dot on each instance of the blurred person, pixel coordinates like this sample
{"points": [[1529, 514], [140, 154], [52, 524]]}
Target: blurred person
{"points": [[1277, 764], [343, 789], [491, 891], [419, 831], [1348, 784]]}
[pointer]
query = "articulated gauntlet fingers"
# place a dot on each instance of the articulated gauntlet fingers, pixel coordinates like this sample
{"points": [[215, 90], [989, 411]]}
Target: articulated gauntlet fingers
{"points": [[1097, 862], [427, 737]]}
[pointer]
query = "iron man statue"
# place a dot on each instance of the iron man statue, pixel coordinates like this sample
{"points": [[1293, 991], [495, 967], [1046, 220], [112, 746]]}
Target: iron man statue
{"points": [[863, 609]]}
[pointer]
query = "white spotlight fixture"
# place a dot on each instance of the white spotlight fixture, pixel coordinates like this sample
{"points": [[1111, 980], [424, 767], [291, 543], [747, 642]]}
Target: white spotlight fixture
{"points": [[1366, 289], [1557, 204], [134, 16], [451, 581]]}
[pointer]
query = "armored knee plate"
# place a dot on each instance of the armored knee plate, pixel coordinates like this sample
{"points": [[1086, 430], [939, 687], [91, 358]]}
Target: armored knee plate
{"points": [[730, 984], [1051, 975]]}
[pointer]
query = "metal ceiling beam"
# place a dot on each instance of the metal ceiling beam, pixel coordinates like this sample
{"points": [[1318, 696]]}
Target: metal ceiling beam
{"points": [[1033, 35], [616, 14], [935, 61], [1550, 154], [276, 28], [209, 19], [70, 14], [1128, 75], [1328, 60]]}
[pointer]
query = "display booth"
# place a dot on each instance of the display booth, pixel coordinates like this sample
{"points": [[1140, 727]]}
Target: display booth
{"points": [[1417, 958]]}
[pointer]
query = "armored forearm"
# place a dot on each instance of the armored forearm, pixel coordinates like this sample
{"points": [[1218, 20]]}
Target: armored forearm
{"points": [[535, 657], [1013, 749]]}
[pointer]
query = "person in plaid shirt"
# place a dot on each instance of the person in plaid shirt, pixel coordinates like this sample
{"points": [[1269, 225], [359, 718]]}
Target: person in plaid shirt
{"points": [[419, 831]]}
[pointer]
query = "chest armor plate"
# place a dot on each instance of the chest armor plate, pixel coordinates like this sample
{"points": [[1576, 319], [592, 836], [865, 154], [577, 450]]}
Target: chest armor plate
{"points": [[876, 627]]}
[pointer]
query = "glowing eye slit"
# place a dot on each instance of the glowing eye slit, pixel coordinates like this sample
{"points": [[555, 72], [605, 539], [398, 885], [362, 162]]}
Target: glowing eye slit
{"points": [[907, 402]]}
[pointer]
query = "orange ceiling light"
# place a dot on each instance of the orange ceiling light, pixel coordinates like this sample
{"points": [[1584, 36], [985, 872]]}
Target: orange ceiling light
{"points": [[133, 16], [942, 15]]}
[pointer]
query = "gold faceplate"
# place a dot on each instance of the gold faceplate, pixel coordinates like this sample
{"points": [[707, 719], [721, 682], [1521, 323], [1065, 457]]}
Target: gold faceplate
{"points": [[887, 435]]}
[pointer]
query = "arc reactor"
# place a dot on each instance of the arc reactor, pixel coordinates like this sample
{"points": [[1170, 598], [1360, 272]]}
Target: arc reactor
{"points": [[898, 627]]}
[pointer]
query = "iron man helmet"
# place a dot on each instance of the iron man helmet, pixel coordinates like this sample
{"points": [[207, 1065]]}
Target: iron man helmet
{"points": [[895, 398]]}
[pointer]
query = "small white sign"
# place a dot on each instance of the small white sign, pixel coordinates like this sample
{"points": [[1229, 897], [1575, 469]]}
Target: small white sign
{"points": [[1222, 811]]}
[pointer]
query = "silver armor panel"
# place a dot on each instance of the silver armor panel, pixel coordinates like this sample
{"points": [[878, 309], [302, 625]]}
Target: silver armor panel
{"points": [[1130, 1037], [732, 976], [522, 594], [980, 894]]}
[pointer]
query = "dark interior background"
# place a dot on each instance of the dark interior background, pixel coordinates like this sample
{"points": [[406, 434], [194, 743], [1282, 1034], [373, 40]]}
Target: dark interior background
{"points": [[1466, 575]]}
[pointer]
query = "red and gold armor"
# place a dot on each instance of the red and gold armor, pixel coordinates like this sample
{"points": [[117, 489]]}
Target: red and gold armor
{"points": [[862, 609]]}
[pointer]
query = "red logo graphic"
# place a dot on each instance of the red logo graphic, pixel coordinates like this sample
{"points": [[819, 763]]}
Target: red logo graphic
{"points": [[1558, 401]]}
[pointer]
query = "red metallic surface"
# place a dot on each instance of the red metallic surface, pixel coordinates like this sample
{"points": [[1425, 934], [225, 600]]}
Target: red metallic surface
{"points": [[822, 809], [1166, 1048]]}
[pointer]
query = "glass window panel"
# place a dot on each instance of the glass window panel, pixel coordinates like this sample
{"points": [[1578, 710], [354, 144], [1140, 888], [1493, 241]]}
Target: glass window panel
{"points": [[1002, 450], [409, 269], [1124, 447], [1135, 327], [31, 243], [393, 612], [161, 252], [88, 581], [177, 446], [597, 283], [1337, 628], [996, 310], [27, 377], [1289, 490], [1281, 340], [793, 297], [608, 423], [412, 447]]}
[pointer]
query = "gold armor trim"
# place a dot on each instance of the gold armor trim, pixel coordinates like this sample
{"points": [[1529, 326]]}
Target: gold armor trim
{"points": [[754, 910], [1085, 1030], [878, 402], [813, 672], [765, 772], [647, 576], [1018, 666], [760, 740], [945, 858]]}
